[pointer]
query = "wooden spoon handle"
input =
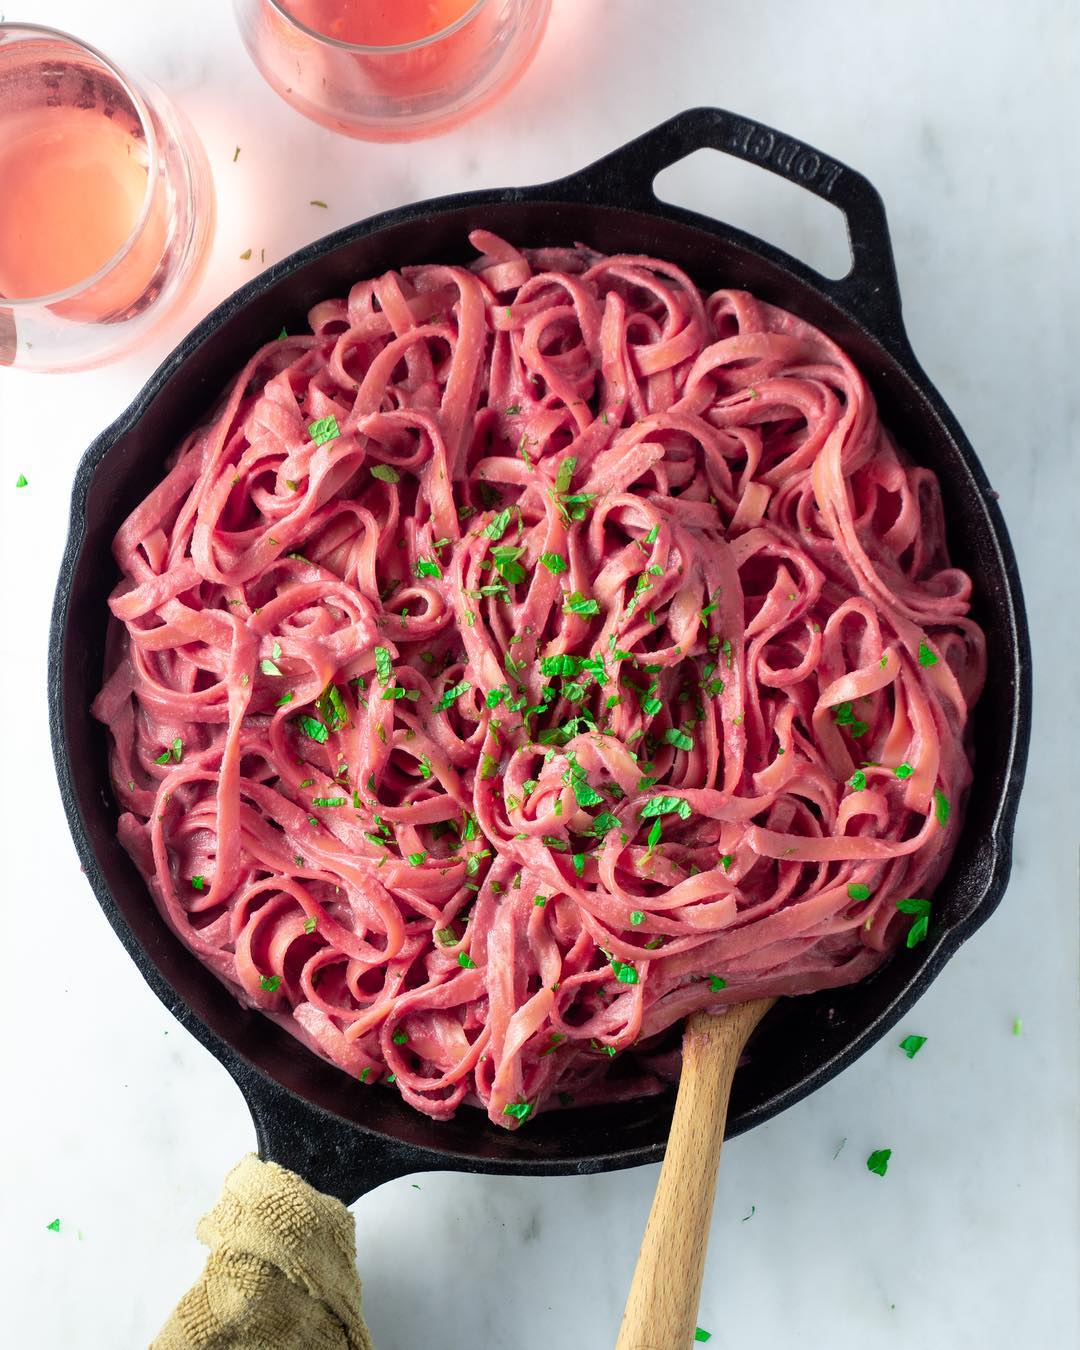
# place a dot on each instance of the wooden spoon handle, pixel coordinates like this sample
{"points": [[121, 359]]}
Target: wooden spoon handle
{"points": [[661, 1309]]}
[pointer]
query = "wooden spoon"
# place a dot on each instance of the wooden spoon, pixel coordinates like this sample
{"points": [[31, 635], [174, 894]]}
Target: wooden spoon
{"points": [[662, 1306]]}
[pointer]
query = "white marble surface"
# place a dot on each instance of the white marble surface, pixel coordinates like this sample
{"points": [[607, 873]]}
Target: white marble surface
{"points": [[119, 1124]]}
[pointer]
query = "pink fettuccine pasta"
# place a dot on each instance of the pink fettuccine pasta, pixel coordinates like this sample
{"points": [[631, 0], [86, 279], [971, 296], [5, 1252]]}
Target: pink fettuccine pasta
{"points": [[529, 656]]}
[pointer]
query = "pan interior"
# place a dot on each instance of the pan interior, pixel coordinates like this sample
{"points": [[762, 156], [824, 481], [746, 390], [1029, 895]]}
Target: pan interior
{"points": [[804, 1041]]}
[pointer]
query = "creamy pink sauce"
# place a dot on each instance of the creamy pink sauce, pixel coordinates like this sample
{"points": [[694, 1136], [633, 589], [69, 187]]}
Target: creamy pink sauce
{"points": [[528, 656]]}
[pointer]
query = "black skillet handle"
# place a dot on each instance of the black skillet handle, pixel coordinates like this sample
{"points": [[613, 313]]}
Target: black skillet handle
{"points": [[626, 176], [330, 1153]]}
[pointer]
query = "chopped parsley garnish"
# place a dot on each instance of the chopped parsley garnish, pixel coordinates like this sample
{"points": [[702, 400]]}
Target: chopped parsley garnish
{"points": [[415, 859], [22, 482], [496, 527], [726, 861], [716, 983], [921, 910], [1017, 1026], [700, 1334], [428, 567], [385, 473], [858, 891], [652, 536], [624, 971], [564, 664], [465, 961], [445, 937], [488, 765], [679, 739], [878, 1161], [554, 562], [903, 771], [331, 707], [285, 698], [53, 1227], [325, 429], [926, 656], [844, 716], [452, 695], [662, 806], [565, 474], [576, 603], [911, 1045], [603, 824], [198, 883], [636, 917], [364, 1074], [400, 1037], [383, 664], [858, 781], [270, 982], [311, 726], [309, 924], [329, 801], [520, 1110], [941, 807], [506, 562]]}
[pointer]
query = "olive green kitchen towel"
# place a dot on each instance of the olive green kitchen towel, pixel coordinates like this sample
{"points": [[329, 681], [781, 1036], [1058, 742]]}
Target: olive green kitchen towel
{"points": [[281, 1274]]}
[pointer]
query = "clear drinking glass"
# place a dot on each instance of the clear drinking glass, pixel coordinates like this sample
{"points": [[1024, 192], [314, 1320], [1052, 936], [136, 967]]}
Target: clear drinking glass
{"points": [[391, 91], [106, 203]]}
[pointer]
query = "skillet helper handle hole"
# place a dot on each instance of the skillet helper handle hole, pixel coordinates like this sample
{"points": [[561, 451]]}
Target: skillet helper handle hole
{"points": [[869, 289]]}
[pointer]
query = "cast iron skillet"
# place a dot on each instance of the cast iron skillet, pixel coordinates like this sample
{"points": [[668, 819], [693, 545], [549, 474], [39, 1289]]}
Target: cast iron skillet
{"points": [[346, 1138]]}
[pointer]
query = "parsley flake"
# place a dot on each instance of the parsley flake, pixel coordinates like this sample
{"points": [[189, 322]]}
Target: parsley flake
{"points": [[324, 429], [878, 1161], [921, 910], [911, 1045], [679, 739], [662, 806], [624, 971], [312, 727], [576, 603], [926, 656], [452, 695], [496, 527]]}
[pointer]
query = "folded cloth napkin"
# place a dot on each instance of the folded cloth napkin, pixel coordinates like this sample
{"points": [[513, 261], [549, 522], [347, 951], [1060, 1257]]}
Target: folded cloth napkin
{"points": [[281, 1274]]}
